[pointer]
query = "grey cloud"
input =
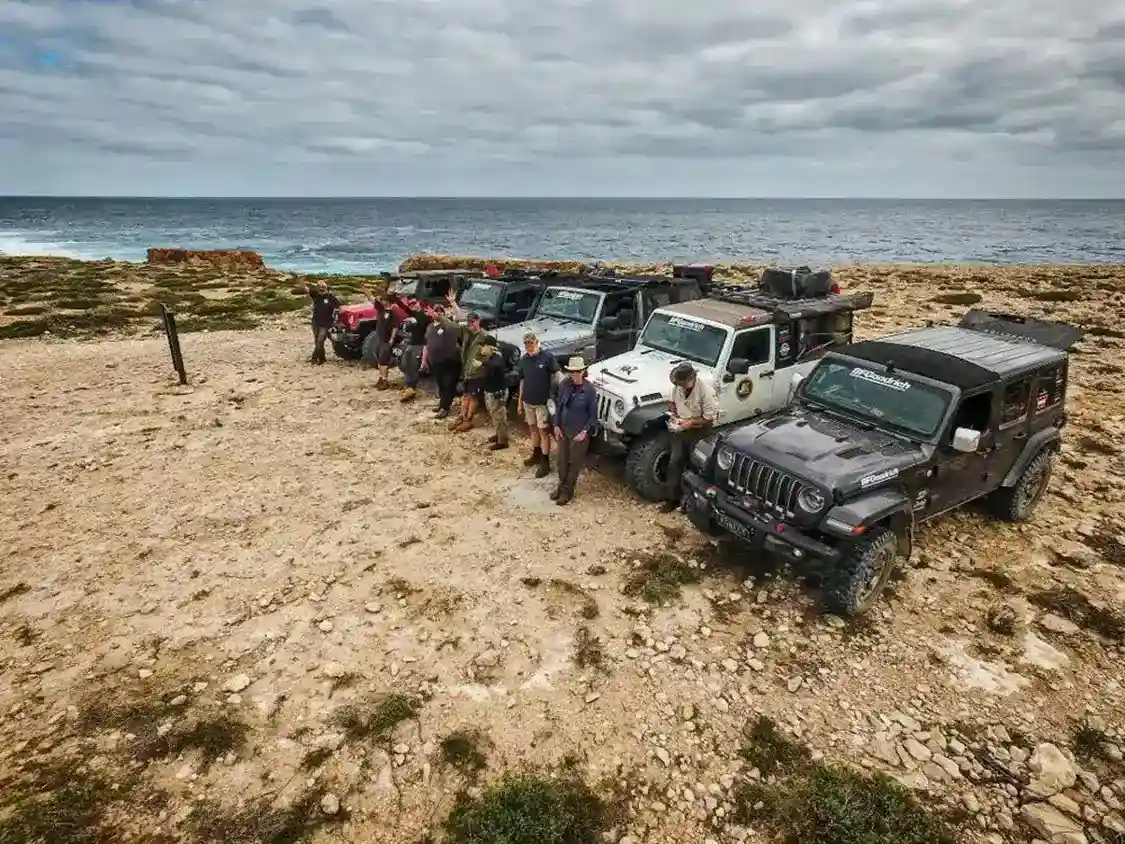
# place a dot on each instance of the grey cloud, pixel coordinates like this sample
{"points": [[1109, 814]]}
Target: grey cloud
{"points": [[480, 84]]}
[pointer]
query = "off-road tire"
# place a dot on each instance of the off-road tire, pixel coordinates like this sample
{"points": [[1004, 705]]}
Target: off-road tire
{"points": [[367, 349], [1017, 502], [860, 577], [647, 456], [343, 351]]}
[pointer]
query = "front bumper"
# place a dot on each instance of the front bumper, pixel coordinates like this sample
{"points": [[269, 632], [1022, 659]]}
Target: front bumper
{"points": [[339, 334], [714, 512], [610, 442]]}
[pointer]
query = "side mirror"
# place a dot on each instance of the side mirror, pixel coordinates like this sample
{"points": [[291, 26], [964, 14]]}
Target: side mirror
{"points": [[966, 440], [738, 366], [608, 324]]}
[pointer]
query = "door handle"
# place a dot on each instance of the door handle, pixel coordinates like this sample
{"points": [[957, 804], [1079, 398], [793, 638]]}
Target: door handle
{"points": [[1019, 435], [766, 375]]}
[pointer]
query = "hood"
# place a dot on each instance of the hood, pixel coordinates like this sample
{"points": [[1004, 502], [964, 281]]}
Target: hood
{"points": [[352, 314], [641, 373], [828, 451], [553, 333]]}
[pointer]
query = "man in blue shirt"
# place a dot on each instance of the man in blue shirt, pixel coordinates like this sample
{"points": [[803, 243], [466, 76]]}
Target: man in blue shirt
{"points": [[576, 418], [537, 371]]}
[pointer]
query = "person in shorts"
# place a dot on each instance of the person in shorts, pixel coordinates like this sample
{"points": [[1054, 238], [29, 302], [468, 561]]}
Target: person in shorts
{"points": [[538, 373], [494, 388], [385, 325]]}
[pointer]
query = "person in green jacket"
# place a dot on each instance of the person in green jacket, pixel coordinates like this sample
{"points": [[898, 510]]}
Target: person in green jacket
{"points": [[471, 336]]}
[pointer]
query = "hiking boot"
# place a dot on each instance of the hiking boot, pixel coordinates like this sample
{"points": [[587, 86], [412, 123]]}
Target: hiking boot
{"points": [[408, 395], [535, 458], [382, 384], [544, 468], [555, 493], [564, 499], [441, 414], [499, 445]]}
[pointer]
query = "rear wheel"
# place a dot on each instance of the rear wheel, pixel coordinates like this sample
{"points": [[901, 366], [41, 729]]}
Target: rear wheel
{"points": [[646, 466], [1017, 502], [861, 576], [344, 352]]}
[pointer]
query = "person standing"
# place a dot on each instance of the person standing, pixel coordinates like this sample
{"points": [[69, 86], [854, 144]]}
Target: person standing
{"points": [[417, 322], [324, 307], [537, 373], [471, 336], [692, 414], [495, 390], [385, 324], [441, 357], [576, 419]]}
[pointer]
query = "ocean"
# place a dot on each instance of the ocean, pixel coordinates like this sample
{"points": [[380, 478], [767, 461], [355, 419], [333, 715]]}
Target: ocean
{"points": [[371, 235]]}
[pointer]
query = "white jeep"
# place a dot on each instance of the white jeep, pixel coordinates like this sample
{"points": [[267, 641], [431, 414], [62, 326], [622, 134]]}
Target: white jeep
{"points": [[746, 345]]}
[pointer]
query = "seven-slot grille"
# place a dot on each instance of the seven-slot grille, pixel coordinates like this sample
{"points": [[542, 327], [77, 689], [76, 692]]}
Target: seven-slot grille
{"points": [[605, 403], [777, 489]]}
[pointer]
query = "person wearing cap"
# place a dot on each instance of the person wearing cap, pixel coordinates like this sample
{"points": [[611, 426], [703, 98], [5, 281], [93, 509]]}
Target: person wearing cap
{"points": [[325, 305], [693, 412], [441, 356], [576, 419], [416, 325], [537, 373], [471, 336], [494, 388]]}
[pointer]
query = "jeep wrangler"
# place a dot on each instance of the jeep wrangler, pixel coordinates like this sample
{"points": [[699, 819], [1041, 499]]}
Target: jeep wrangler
{"points": [[594, 317], [355, 322], [742, 340], [883, 435]]}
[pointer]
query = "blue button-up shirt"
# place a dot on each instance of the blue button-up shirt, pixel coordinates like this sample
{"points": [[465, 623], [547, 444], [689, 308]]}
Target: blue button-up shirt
{"points": [[576, 408]]}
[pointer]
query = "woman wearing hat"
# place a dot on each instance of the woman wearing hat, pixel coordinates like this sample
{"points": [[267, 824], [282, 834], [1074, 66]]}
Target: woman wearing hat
{"points": [[576, 420]]}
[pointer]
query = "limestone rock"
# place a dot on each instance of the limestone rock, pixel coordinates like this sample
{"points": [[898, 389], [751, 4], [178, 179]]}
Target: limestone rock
{"points": [[1053, 771], [1050, 823]]}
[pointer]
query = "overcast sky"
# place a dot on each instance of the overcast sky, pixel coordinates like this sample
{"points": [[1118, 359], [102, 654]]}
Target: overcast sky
{"points": [[563, 97]]}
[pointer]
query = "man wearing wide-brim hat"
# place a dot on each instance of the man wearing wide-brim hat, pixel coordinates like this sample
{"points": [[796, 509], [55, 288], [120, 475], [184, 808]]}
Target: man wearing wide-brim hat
{"points": [[575, 421], [693, 412]]}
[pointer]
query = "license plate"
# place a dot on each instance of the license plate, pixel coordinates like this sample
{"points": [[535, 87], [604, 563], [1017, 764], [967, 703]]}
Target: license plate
{"points": [[735, 528]]}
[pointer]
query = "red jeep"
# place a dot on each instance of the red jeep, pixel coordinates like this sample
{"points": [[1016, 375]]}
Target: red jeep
{"points": [[355, 322]]}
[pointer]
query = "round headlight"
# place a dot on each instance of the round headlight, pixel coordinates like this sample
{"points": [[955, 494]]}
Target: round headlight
{"points": [[725, 459], [619, 407], [810, 500]]}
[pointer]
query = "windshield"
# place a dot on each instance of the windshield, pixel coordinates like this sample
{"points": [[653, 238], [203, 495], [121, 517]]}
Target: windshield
{"points": [[684, 338], [403, 287], [896, 400], [561, 303], [480, 296]]}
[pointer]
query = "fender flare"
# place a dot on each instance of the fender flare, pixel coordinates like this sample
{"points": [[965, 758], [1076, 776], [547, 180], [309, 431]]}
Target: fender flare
{"points": [[872, 508], [640, 419], [1047, 438]]}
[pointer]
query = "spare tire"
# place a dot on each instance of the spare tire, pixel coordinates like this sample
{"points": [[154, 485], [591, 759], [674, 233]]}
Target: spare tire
{"points": [[370, 352]]}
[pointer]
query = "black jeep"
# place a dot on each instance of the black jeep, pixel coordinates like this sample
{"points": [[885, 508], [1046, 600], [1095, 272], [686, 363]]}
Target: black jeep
{"points": [[887, 433]]}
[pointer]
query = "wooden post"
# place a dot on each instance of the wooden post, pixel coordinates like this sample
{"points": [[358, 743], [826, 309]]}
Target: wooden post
{"points": [[174, 342]]}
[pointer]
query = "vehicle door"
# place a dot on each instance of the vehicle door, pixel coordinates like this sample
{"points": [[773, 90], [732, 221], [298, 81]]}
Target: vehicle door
{"points": [[517, 303], [960, 476], [617, 329], [749, 390], [1014, 426]]}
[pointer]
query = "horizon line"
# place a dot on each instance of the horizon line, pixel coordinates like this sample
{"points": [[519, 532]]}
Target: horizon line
{"points": [[480, 197]]}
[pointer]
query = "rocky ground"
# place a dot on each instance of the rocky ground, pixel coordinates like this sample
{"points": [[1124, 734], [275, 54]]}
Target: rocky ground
{"points": [[276, 605]]}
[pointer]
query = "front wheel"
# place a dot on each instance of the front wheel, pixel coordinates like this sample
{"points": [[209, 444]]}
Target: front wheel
{"points": [[343, 351], [370, 349], [862, 574], [646, 466], [1017, 502]]}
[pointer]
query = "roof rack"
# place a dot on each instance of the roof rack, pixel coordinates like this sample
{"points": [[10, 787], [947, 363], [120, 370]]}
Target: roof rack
{"points": [[607, 283], [785, 310], [1023, 329]]}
